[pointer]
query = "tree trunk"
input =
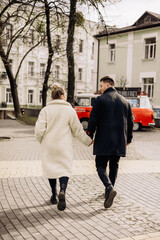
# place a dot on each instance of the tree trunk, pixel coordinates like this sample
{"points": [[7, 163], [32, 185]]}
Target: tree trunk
{"points": [[45, 83], [12, 81], [70, 54], [50, 55]]}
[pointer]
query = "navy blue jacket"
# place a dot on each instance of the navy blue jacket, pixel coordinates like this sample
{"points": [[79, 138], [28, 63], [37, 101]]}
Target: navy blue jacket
{"points": [[111, 120]]}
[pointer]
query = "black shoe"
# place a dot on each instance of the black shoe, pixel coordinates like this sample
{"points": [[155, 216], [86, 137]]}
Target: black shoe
{"points": [[110, 194], [62, 202], [53, 200]]}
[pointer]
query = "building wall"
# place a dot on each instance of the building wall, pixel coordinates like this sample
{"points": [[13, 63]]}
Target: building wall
{"points": [[118, 68], [130, 63], [84, 60]]}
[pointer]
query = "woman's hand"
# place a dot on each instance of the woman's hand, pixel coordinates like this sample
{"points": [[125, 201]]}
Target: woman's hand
{"points": [[91, 142]]}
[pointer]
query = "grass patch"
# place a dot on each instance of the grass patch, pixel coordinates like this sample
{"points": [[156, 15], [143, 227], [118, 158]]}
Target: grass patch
{"points": [[28, 120]]}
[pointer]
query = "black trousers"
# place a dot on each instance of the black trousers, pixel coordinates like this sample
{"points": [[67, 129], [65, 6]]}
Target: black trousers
{"points": [[63, 181], [101, 165]]}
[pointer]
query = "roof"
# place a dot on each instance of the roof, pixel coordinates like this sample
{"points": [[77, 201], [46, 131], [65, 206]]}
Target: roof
{"points": [[147, 20], [86, 95]]}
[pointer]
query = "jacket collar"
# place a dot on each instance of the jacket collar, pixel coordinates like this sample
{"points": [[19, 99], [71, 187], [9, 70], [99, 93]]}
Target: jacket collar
{"points": [[59, 101], [110, 89]]}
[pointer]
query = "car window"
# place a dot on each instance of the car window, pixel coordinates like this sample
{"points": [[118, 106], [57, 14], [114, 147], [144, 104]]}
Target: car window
{"points": [[135, 102], [83, 101], [145, 103]]}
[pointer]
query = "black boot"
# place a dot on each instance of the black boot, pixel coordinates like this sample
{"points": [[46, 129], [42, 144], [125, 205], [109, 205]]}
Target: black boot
{"points": [[110, 194], [53, 199], [61, 197]]}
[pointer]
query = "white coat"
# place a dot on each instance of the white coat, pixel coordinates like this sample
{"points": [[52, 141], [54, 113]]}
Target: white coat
{"points": [[55, 127]]}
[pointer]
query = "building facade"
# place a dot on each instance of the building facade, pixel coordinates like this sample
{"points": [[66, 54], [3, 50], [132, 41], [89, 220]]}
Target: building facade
{"points": [[131, 55], [31, 75]]}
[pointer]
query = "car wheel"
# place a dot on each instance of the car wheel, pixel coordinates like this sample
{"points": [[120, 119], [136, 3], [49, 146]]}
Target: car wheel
{"points": [[85, 124], [136, 126]]}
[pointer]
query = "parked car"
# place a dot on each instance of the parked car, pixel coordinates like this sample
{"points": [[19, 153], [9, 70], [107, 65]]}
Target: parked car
{"points": [[83, 107], [142, 112], [141, 108]]}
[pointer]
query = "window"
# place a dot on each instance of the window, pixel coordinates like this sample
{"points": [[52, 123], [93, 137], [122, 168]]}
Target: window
{"points": [[93, 48], [43, 40], [3, 76], [57, 71], [147, 19], [40, 96], [8, 95], [31, 69], [148, 86], [11, 63], [58, 42], [83, 101], [135, 102], [30, 96], [112, 52], [150, 48], [42, 69], [9, 31], [31, 36], [92, 74], [80, 72], [80, 46]]}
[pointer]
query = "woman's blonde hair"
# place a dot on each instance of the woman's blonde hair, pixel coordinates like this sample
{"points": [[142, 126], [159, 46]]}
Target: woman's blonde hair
{"points": [[57, 91]]}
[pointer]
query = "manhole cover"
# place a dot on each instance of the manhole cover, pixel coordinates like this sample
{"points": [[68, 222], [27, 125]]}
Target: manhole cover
{"points": [[5, 139]]}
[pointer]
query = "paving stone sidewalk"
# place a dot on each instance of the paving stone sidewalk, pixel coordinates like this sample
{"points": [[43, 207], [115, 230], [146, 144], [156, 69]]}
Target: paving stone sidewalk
{"points": [[25, 210]]}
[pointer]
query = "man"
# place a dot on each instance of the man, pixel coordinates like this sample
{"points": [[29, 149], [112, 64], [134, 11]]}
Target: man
{"points": [[111, 118]]}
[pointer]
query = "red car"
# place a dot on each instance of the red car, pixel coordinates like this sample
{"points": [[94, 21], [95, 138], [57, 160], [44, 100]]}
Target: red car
{"points": [[141, 108]]}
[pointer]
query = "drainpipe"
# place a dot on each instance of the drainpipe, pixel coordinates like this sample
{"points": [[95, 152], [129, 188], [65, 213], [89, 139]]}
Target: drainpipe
{"points": [[98, 65]]}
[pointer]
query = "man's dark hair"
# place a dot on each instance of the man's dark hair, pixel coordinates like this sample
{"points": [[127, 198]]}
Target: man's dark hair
{"points": [[107, 79]]}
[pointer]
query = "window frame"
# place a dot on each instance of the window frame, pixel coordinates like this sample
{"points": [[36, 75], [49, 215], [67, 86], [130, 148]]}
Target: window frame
{"points": [[80, 74], [58, 42], [9, 32], [11, 63], [30, 96], [150, 49], [42, 69], [148, 87], [8, 96], [57, 71], [42, 39], [112, 52], [31, 72], [31, 36], [40, 96], [81, 43]]}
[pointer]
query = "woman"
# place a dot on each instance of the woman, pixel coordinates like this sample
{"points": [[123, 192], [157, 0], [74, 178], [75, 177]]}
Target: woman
{"points": [[56, 125]]}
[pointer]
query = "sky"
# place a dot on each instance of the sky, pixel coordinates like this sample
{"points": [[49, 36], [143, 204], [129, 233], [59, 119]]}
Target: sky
{"points": [[127, 12]]}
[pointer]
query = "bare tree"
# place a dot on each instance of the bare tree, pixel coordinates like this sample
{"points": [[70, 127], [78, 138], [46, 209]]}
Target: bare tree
{"points": [[70, 54], [55, 13], [50, 52], [76, 18], [14, 11], [55, 17]]}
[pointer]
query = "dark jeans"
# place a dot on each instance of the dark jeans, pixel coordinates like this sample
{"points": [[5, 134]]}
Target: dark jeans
{"points": [[63, 181], [101, 165]]}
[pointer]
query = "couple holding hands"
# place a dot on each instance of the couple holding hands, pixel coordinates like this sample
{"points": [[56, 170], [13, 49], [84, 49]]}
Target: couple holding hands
{"points": [[111, 122]]}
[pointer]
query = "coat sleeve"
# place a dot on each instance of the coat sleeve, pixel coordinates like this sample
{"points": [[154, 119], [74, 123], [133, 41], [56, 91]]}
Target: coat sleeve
{"points": [[41, 125], [94, 116], [77, 130], [130, 125]]}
